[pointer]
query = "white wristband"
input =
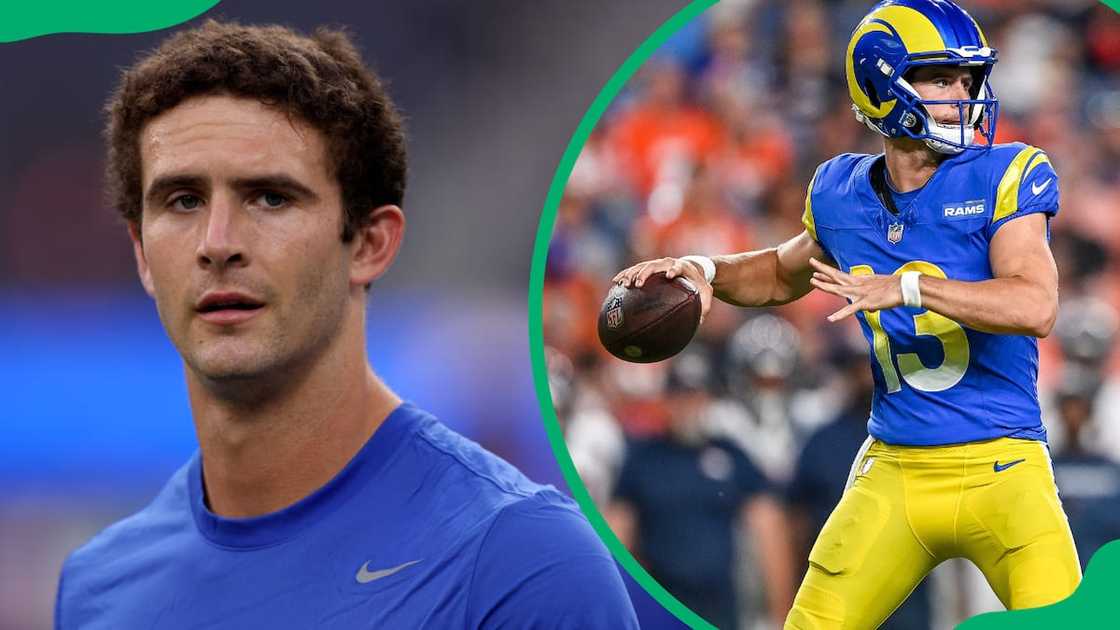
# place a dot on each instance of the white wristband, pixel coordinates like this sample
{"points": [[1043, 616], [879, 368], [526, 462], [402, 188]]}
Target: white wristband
{"points": [[911, 292], [707, 264]]}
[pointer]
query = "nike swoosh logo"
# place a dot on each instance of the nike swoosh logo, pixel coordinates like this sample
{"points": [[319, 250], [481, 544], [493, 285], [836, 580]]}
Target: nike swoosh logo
{"points": [[365, 575], [997, 467], [1035, 188]]}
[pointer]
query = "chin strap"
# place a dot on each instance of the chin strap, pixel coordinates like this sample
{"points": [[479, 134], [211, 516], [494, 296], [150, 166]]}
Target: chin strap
{"points": [[940, 133], [867, 121]]}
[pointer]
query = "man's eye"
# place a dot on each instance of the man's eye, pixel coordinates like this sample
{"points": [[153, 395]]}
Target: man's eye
{"points": [[272, 199], [186, 202]]}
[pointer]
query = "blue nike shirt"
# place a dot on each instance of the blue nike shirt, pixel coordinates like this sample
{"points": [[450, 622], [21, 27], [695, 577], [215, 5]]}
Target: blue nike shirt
{"points": [[422, 529]]}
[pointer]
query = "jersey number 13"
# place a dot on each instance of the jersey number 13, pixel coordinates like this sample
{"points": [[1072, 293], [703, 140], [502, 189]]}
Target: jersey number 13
{"points": [[947, 331]]}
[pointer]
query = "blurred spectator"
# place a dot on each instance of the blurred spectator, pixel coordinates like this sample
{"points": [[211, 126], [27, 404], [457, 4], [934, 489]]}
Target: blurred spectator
{"points": [[1102, 39], [663, 136], [702, 222], [808, 55], [1086, 330], [1089, 482], [593, 436], [682, 498], [1081, 259], [762, 356]]}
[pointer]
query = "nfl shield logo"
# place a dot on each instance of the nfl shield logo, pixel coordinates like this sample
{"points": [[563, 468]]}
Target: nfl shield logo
{"points": [[614, 314], [894, 232]]}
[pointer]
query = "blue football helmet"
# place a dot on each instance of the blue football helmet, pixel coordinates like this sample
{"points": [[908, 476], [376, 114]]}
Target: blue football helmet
{"points": [[898, 36]]}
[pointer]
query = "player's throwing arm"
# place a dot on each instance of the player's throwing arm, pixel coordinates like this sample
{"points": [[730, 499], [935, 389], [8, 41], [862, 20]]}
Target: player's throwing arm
{"points": [[766, 277]]}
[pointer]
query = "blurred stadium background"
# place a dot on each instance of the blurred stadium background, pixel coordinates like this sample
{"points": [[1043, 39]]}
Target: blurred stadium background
{"points": [[94, 415], [708, 150]]}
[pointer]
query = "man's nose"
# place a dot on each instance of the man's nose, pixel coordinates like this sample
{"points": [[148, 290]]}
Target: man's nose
{"points": [[222, 242]]}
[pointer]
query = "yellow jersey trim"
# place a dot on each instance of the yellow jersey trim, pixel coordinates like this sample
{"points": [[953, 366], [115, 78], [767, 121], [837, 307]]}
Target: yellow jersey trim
{"points": [[807, 217], [1007, 194]]}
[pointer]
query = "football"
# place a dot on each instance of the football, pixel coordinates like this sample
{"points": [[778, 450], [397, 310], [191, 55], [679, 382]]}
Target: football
{"points": [[649, 323]]}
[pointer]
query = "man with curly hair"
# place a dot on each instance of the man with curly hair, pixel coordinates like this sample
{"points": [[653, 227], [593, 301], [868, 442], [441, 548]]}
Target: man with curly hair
{"points": [[261, 175]]}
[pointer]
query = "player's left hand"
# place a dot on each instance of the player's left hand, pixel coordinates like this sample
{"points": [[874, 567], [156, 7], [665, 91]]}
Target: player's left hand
{"points": [[867, 293]]}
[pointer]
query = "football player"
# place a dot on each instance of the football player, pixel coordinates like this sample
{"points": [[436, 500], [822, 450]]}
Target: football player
{"points": [[940, 244]]}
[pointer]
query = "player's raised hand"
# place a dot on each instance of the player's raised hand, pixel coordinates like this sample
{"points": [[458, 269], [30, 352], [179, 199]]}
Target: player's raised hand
{"points": [[867, 292], [636, 275]]}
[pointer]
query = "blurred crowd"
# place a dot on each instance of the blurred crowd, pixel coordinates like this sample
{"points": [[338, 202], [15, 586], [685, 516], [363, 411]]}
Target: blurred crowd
{"points": [[708, 150]]}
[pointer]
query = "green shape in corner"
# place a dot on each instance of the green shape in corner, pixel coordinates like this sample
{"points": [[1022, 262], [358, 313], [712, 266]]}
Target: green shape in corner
{"points": [[1092, 605], [31, 18]]}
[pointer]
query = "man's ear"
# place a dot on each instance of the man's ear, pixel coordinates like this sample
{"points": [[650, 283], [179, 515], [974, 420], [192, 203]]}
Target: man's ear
{"points": [[376, 244], [141, 261]]}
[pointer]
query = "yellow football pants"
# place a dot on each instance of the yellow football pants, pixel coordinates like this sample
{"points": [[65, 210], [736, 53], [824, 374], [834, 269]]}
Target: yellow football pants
{"points": [[911, 507]]}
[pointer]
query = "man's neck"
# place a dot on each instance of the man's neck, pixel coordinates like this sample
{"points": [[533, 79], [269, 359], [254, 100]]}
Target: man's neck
{"points": [[263, 456], [910, 163]]}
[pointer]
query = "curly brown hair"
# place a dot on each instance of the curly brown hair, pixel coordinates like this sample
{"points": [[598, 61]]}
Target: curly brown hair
{"points": [[320, 79]]}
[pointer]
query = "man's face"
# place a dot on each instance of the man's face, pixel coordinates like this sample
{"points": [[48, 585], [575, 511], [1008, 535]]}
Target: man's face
{"points": [[240, 239], [942, 83], [686, 414]]}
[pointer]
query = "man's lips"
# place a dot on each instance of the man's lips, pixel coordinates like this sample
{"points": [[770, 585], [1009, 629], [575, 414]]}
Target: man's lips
{"points": [[228, 317], [228, 307]]}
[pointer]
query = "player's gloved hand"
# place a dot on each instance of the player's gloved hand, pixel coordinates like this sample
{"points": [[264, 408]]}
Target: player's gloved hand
{"points": [[636, 275], [867, 293]]}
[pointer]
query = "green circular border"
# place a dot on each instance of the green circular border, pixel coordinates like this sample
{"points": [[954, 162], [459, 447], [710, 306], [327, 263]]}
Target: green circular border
{"points": [[536, 290]]}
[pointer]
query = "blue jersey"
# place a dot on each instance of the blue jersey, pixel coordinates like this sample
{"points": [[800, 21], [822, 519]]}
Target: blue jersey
{"points": [[937, 381], [422, 529]]}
